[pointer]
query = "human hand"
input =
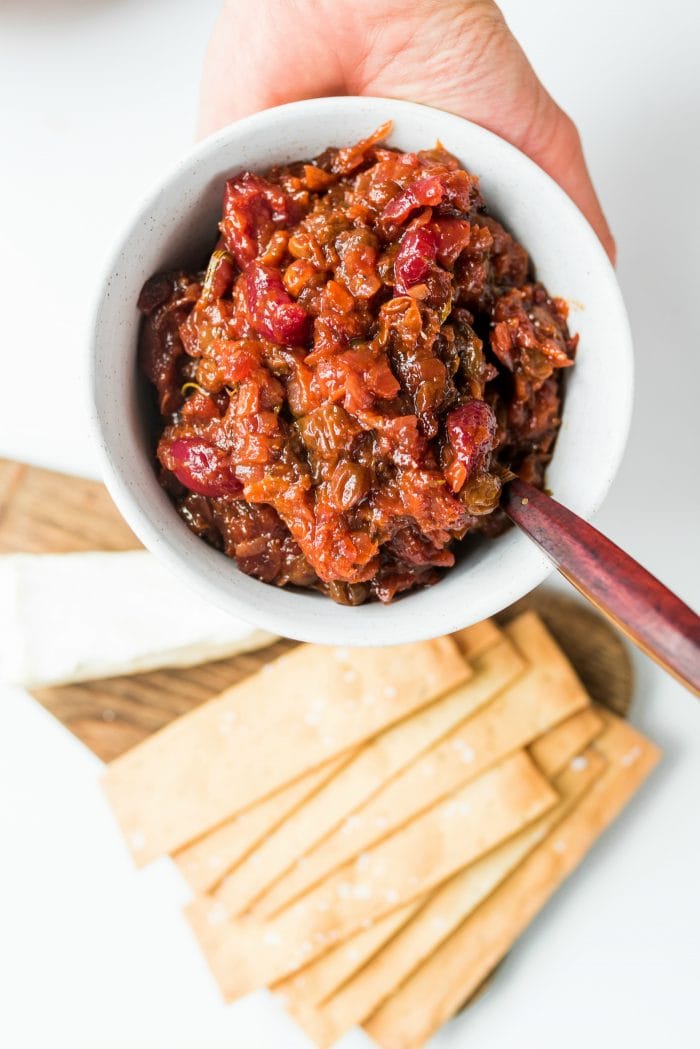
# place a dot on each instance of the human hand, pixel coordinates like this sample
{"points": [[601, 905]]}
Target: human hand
{"points": [[457, 55]]}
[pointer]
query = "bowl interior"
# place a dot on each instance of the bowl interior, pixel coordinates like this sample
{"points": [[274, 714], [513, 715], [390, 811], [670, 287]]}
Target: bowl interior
{"points": [[175, 227]]}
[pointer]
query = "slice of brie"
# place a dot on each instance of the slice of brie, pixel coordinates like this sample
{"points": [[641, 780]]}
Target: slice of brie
{"points": [[75, 617]]}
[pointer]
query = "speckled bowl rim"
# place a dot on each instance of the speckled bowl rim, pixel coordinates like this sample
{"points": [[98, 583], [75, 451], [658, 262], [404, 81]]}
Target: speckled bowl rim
{"points": [[591, 442]]}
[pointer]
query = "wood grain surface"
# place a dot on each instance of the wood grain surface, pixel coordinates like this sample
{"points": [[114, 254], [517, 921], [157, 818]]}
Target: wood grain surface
{"points": [[42, 512], [46, 512]]}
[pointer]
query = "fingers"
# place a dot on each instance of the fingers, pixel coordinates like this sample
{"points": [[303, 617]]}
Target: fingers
{"points": [[465, 59], [264, 54], [458, 55], [555, 145]]}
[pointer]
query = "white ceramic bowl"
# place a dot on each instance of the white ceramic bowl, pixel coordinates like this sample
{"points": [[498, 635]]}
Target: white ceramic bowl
{"points": [[173, 227]]}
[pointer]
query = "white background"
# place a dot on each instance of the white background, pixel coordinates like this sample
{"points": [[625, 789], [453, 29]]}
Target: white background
{"points": [[98, 96]]}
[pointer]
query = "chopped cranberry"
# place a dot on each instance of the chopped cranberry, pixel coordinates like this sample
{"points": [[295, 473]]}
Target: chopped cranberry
{"points": [[453, 236], [201, 467], [253, 210], [418, 249], [471, 432], [424, 192], [273, 313]]}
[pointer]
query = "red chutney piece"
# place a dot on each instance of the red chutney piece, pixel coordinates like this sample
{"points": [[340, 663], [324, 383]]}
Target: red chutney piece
{"points": [[342, 388]]}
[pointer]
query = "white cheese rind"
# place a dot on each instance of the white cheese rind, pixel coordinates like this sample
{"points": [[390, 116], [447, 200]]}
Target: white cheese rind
{"points": [[76, 617]]}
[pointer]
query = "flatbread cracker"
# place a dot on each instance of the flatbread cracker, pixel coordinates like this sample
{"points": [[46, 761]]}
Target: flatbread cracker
{"points": [[551, 751], [451, 975], [300, 711], [204, 862], [473, 640], [444, 910], [207, 860], [545, 695], [247, 954], [365, 774], [319, 981]]}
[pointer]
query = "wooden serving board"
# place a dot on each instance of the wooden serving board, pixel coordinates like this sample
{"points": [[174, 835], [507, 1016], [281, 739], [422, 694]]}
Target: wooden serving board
{"points": [[46, 512]]}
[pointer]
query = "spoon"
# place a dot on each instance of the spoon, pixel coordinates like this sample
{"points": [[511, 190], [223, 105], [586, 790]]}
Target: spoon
{"points": [[652, 617]]}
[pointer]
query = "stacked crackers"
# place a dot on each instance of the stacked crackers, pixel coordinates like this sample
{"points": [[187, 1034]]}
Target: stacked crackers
{"points": [[368, 831]]}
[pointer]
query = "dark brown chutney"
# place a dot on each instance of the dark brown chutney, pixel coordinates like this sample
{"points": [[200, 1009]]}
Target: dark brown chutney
{"points": [[343, 388]]}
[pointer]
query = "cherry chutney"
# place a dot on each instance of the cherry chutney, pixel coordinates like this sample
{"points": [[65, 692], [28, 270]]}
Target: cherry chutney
{"points": [[344, 387]]}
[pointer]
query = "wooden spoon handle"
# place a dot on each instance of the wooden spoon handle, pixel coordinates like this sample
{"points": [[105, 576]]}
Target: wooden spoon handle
{"points": [[651, 616]]}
